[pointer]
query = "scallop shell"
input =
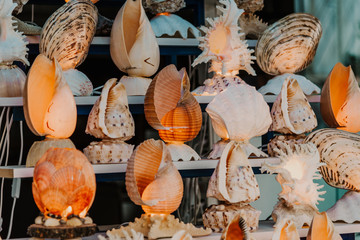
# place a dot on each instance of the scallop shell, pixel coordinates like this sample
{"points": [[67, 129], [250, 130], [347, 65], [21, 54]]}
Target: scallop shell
{"points": [[274, 85], [170, 107], [162, 6], [133, 45], [152, 180], [339, 151], [68, 33], [236, 229], [110, 116], [322, 228], [182, 152], [64, 183], [291, 112], [78, 82], [340, 99], [286, 230], [182, 235], [252, 25], [12, 81], [250, 6], [346, 209], [49, 106], [289, 45]]}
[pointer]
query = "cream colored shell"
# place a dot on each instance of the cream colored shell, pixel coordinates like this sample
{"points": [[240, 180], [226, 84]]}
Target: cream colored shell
{"points": [[182, 235], [322, 228], [78, 82], [346, 209], [12, 81]]}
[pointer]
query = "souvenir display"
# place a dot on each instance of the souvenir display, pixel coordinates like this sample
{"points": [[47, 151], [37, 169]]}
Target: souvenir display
{"points": [[223, 47], [299, 196], [171, 109], [133, 47], [322, 228], [110, 120]]}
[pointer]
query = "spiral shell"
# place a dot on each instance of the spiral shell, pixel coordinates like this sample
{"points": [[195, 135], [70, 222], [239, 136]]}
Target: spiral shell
{"points": [[289, 45]]}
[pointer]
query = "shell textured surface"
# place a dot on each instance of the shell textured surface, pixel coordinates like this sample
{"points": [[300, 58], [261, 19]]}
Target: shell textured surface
{"points": [[163, 6], [252, 25], [78, 82], [322, 228], [346, 209]]}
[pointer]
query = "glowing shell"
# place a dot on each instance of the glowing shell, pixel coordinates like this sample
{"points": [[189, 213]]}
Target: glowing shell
{"points": [[346, 209], [64, 183], [322, 228]]}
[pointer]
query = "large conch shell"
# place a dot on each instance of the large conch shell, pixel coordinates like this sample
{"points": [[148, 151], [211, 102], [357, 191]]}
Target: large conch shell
{"points": [[49, 106], [286, 230], [152, 180], [68, 33], [340, 152], [133, 45], [236, 230], [291, 112], [64, 183], [322, 228], [289, 45], [346, 209], [340, 99]]}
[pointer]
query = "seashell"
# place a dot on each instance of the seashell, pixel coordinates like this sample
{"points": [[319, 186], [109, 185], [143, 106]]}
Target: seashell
{"points": [[250, 6], [339, 151], [27, 28], [149, 169], [222, 44], [291, 112], [274, 85], [245, 116], [236, 229], [63, 183], [68, 33], [135, 85], [78, 82], [218, 149], [252, 25], [163, 6], [110, 116], [93, 1], [49, 106], [12, 81], [288, 45], [346, 209], [108, 151], [113, 236], [340, 98], [233, 179], [322, 228], [279, 141], [182, 235], [216, 85], [182, 152], [136, 52], [286, 230], [169, 24], [19, 6]]}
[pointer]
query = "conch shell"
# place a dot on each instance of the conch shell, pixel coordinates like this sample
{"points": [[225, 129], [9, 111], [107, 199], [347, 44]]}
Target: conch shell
{"points": [[291, 112], [236, 230], [133, 45], [152, 180], [288, 45], [68, 33], [340, 99], [339, 151], [49, 106], [322, 228]]}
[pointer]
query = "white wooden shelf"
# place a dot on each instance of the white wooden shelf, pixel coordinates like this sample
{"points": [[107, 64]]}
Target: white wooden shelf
{"points": [[24, 172]]}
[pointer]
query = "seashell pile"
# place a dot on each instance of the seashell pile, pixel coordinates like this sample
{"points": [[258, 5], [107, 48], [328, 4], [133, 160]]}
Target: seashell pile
{"points": [[171, 109], [111, 120], [322, 228]]}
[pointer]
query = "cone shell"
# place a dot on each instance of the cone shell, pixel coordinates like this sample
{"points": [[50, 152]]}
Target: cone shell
{"points": [[168, 6], [171, 108], [286, 230], [236, 230], [340, 99], [64, 183], [289, 45], [340, 152], [152, 180], [49, 106], [322, 228], [291, 112], [12, 81], [133, 45], [78, 82], [239, 113], [68, 33], [346, 209]]}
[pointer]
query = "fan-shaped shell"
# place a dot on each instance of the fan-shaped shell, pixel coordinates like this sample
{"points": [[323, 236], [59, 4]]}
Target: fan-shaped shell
{"points": [[322, 228], [12, 81], [49, 106], [236, 230], [78, 82], [291, 112], [163, 6], [340, 151], [170, 107], [133, 45], [68, 33], [152, 180], [64, 183], [289, 45], [346, 209], [110, 116], [340, 99]]}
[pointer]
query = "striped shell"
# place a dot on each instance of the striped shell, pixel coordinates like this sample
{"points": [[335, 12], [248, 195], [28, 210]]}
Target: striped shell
{"points": [[340, 151], [64, 183], [68, 33], [289, 45], [152, 180]]}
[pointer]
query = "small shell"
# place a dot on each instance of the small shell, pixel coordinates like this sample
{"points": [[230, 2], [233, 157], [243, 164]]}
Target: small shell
{"points": [[250, 6], [286, 230], [135, 85], [182, 235], [279, 141], [291, 112], [274, 85], [340, 99], [78, 82], [110, 116], [236, 230], [12, 81], [216, 85], [182, 152], [322, 228], [289, 45], [252, 25], [346, 209], [133, 45], [19, 7], [68, 33], [163, 6]]}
